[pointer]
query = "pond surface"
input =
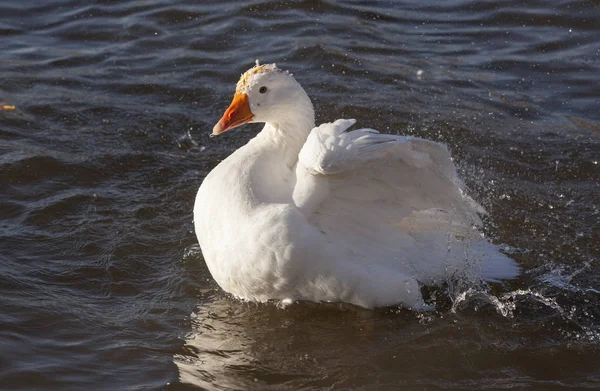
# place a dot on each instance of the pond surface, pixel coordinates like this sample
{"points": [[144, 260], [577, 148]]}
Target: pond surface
{"points": [[102, 284]]}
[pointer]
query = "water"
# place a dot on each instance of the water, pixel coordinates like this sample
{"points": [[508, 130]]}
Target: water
{"points": [[102, 285]]}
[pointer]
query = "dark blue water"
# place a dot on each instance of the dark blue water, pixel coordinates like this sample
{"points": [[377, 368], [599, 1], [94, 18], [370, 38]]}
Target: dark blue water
{"points": [[102, 285]]}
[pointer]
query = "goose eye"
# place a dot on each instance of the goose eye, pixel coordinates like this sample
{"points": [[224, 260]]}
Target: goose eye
{"points": [[263, 89]]}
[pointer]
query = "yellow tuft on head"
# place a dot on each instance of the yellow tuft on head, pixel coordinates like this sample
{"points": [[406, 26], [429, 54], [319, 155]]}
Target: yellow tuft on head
{"points": [[247, 79]]}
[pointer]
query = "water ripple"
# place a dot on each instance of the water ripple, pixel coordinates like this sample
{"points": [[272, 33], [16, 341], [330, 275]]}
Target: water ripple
{"points": [[101, 279]]}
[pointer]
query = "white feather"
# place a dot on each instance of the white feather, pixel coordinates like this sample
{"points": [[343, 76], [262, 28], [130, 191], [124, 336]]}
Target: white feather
{"points": [[326, 214], [393, 199]]}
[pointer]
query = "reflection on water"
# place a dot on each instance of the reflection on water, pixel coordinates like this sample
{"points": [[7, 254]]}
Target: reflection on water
{"points": [[493, 338], [241, 345]]}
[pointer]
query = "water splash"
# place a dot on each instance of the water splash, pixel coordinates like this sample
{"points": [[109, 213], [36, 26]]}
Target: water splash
{"points": [[559, 277], [192, 251], [186, 141], [553, 297]]}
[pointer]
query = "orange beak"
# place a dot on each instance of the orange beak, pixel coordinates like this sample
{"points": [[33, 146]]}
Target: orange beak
{"points": [[238, 113]]}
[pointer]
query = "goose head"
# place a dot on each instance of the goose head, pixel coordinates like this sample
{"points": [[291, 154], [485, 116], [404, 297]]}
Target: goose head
{"points": [[265, 93]]}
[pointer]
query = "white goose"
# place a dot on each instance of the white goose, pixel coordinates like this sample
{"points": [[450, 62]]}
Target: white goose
{"points": [[321, 214]]}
